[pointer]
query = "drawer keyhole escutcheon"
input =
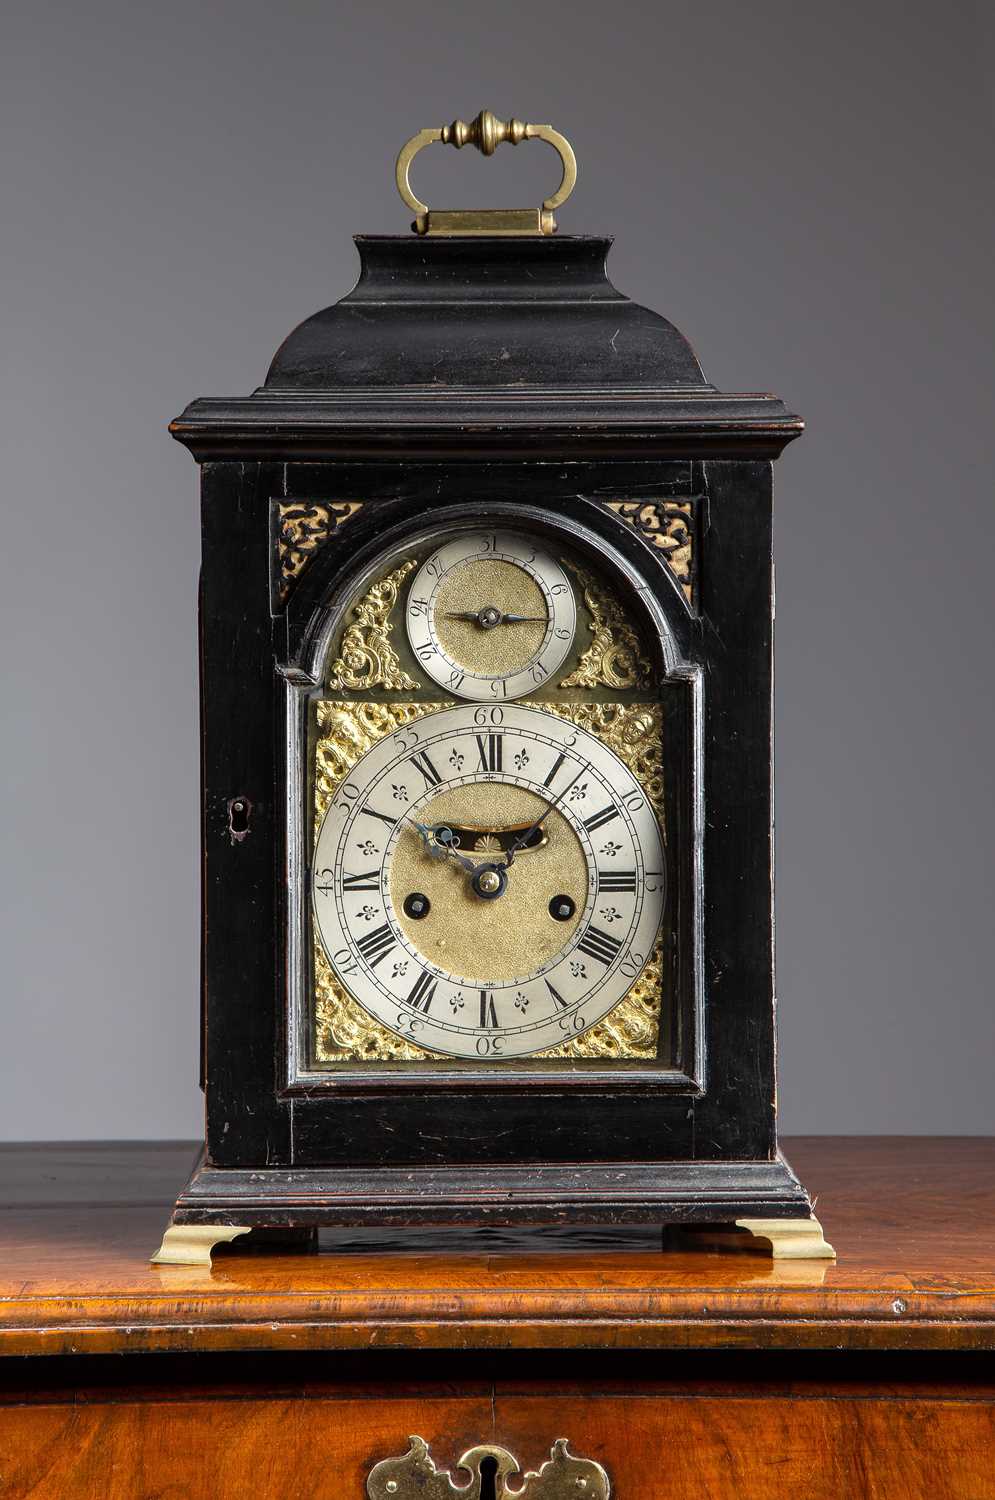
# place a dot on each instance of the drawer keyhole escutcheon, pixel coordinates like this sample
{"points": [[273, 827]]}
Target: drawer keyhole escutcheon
{"points": [[414, 1476]]}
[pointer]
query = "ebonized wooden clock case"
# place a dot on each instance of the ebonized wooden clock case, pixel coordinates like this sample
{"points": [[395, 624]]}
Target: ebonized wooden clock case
{"points": [[485, 606]]}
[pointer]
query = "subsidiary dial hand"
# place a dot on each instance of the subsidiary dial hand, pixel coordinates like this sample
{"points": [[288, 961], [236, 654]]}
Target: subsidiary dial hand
{"points": [[488, 617]]}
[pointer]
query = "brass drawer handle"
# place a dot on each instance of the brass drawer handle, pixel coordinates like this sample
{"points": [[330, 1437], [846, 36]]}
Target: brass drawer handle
{"points": [[486, 132], [414, 1476]]}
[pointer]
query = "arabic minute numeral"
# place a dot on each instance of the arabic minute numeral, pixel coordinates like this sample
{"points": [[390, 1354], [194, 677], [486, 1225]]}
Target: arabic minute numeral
{"points": [[631, 964], [344, 961], [538, 671], [346, 797], [575, 1023], [456, 679]]}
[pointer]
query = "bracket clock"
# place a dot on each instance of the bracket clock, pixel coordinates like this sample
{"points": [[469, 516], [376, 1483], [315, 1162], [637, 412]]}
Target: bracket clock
{"points": [[486, 638]]}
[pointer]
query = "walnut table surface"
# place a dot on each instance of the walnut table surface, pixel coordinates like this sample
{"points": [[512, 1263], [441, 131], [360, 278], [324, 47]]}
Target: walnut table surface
{"points": [[685, 1370]]}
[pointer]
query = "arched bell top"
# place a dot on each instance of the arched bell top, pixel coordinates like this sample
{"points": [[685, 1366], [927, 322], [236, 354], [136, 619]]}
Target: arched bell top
{"points": [[484, 312], [602, 553]]}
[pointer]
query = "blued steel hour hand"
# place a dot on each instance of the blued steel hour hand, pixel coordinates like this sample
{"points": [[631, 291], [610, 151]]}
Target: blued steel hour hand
{"points": [[438, 840]]}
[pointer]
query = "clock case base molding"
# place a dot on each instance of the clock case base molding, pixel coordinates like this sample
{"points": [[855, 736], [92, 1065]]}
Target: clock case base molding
{"points": [[744, 1202]]}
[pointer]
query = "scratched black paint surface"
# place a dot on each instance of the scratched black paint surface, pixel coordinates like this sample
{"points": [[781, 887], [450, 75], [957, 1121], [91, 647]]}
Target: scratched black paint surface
{"points": [[404, 398]]}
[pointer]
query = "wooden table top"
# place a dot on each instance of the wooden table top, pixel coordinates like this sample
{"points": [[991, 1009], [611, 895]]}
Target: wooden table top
{"points": [[912, 1220]]}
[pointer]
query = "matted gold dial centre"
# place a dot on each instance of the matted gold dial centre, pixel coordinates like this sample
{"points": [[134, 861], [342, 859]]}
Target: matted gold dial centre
{"points": [[486, 586], [486, 939]]}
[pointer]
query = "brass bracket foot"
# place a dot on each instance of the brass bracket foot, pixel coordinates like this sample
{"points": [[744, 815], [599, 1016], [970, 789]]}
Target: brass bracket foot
{"points": [[191, 1244], [786, 1239]]}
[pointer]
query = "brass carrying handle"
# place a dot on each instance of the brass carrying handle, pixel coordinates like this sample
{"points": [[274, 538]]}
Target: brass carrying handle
{"points": [[486, 132]]}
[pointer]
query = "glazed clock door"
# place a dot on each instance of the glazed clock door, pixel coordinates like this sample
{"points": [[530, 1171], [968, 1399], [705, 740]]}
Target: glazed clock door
{"points": [[493, 815]]}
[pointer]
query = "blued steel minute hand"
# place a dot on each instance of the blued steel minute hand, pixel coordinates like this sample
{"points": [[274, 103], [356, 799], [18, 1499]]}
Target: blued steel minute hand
{"points": [[524, 838]]}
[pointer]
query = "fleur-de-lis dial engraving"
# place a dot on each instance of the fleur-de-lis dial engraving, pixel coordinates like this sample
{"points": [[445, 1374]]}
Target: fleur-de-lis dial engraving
{"points": [[490, 617], [524, 932]]}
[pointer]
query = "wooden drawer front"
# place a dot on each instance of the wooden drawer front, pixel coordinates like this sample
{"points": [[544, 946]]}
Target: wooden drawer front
{"points": [[824, 1447], [653, 1448], [220, 1449]]}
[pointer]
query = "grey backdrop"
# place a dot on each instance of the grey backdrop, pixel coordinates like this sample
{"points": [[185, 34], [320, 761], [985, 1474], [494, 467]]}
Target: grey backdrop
{"points": [[805, 189]]}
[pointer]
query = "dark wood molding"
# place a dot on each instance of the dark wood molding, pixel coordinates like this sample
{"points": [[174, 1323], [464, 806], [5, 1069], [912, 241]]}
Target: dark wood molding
{"points": [[460, 425], [579, 1193]]}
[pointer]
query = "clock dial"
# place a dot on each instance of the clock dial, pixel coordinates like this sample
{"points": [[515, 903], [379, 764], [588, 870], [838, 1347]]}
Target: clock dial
{"points": [[490, 617], [488, 882]]}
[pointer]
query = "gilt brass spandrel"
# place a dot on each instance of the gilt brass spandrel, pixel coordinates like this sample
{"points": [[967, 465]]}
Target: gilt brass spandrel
{"points": [[302, 527], [669, 526], [367, 657], [616, 657], [344, 1032]]}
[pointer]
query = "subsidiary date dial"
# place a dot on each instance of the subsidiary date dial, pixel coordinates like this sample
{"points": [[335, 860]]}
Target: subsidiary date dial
{"points": [[489, 882], [490, 617]]}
